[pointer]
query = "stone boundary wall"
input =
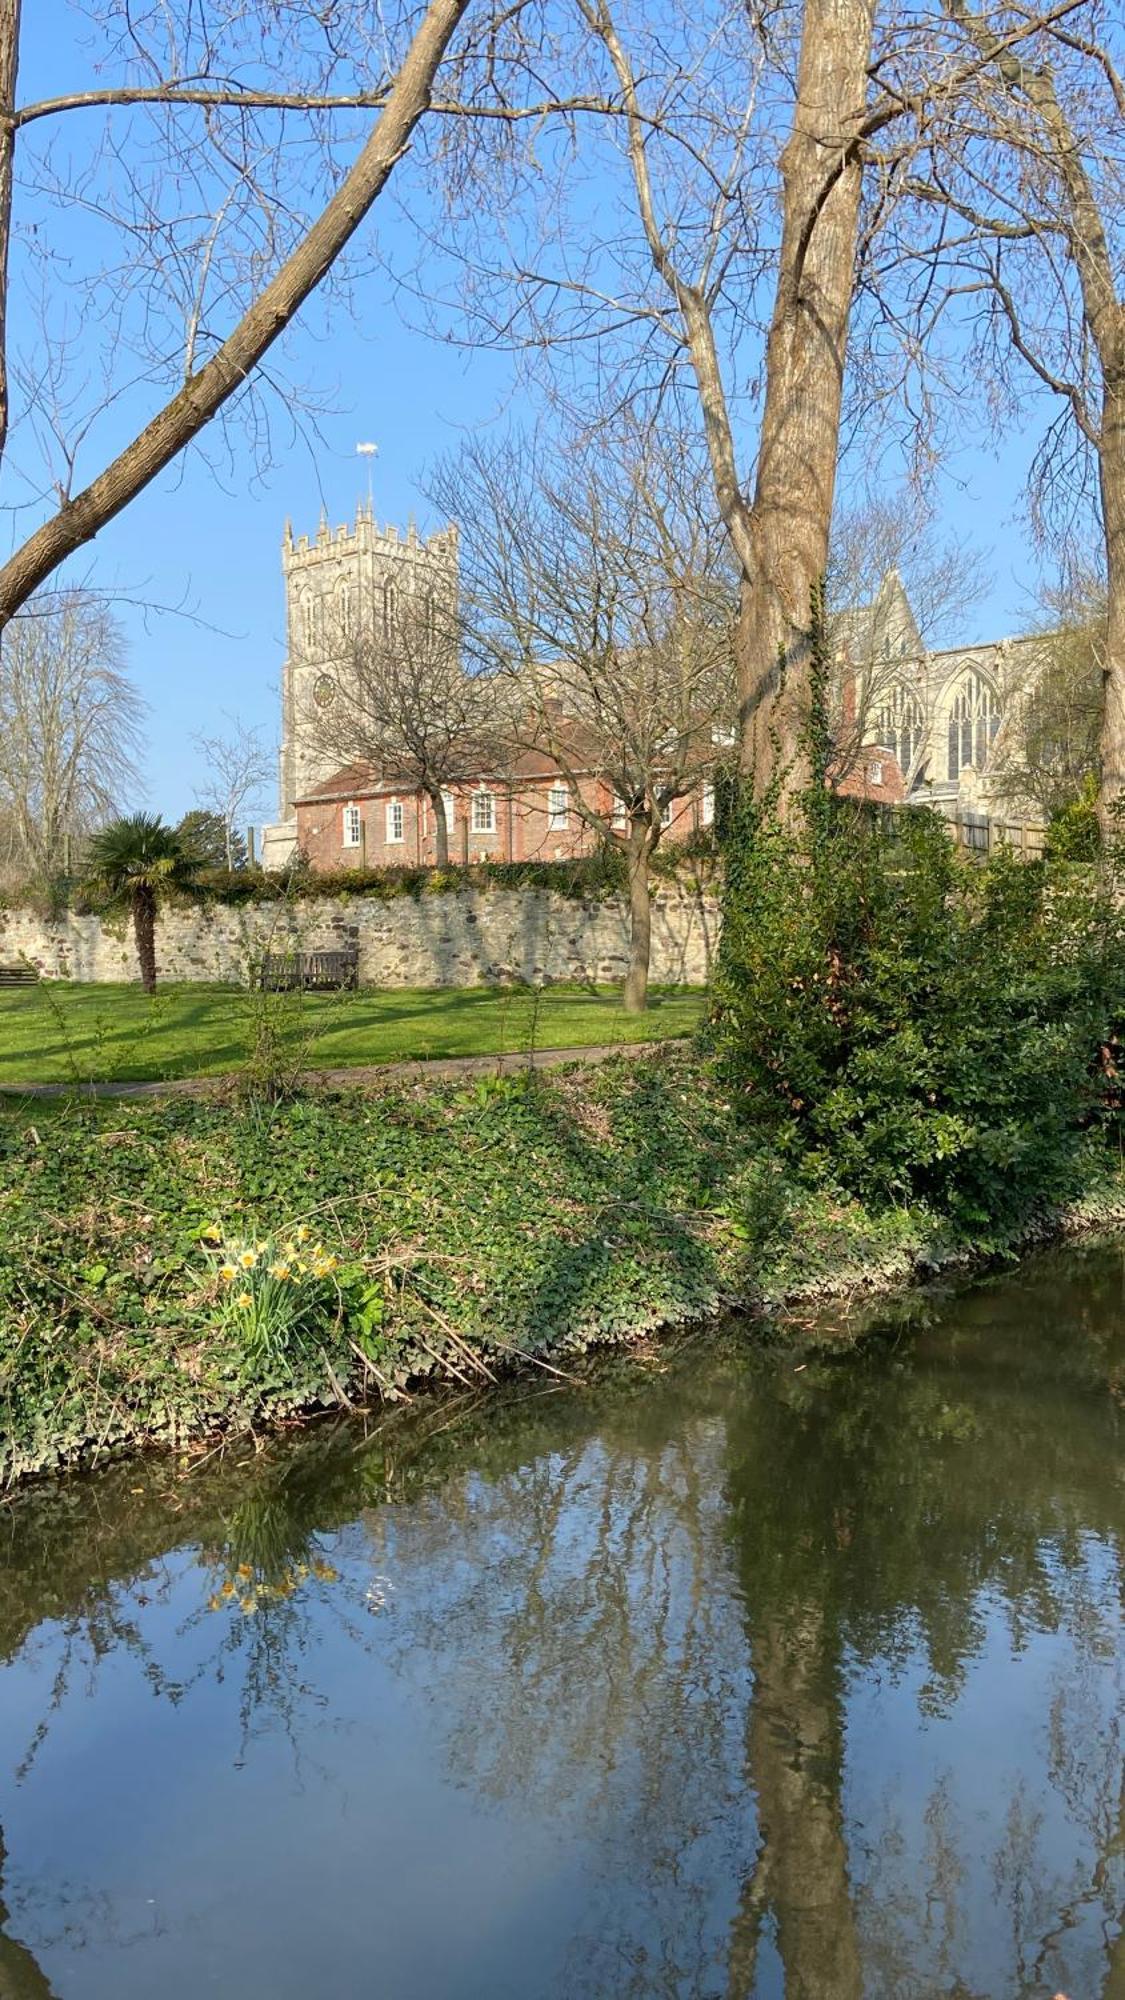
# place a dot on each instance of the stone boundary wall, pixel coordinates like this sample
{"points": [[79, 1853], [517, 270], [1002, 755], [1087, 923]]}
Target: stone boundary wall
{"points": [[466, 938]]}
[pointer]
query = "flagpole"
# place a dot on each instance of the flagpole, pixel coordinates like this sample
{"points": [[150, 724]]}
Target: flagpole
{"points": [[368, 451]]}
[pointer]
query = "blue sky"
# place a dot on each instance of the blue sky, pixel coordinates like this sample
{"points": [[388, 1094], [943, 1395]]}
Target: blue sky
{"points": [[210, 540]]}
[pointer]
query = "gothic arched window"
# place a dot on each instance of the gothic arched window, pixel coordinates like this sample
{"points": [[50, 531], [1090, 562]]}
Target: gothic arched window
{"points": [[974, 718], [390, 608], [901, 726]]}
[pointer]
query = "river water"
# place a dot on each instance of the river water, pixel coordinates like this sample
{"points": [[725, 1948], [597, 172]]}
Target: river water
{"points": [[722, 1673]]}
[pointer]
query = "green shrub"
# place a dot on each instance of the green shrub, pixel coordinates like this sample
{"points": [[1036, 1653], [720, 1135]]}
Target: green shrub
{"points": [[913, 1025], [1073, 833], [588, 877]]}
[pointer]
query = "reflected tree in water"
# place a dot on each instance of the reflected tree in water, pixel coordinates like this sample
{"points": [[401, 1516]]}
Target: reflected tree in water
{"points": [[890, 1516], [20, 1975], [720, 1628]]}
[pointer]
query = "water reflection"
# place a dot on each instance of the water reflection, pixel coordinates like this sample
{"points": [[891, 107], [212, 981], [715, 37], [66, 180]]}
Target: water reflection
{"points": [[731, 1677]]}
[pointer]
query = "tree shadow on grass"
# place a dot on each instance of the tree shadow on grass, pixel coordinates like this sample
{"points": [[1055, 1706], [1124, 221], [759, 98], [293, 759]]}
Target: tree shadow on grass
{"points": [[631, 1250]]}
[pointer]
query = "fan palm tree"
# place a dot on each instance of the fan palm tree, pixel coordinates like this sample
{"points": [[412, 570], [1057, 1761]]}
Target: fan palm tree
{"points": [[136, 861]]}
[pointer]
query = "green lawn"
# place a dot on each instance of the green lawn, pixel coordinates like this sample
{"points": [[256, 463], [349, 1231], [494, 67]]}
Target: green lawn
{"points": [[58, 1033]]}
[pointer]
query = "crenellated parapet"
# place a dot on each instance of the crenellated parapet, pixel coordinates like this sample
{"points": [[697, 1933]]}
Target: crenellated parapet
{"points": [[366, 538]]}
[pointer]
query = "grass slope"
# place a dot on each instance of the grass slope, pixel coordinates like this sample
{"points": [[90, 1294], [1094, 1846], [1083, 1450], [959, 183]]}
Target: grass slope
{"points": [[473, 1224], [60, 1033]]}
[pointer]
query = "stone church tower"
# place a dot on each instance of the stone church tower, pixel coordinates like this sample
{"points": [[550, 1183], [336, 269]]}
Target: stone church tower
{"points": [[341, 583]]}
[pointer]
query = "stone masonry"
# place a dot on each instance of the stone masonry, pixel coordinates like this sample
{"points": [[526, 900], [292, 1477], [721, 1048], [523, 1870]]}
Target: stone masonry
{"points": [[468, 938]]}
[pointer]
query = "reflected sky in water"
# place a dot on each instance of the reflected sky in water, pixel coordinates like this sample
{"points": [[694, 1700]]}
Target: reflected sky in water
{"points": [[717, 1675]]}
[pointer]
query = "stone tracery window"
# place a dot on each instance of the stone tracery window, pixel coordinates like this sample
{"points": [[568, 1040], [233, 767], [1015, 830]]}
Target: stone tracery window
{"points": [[974, 718], [900, 726], [305, 615], [345, 608], [390, 608]]}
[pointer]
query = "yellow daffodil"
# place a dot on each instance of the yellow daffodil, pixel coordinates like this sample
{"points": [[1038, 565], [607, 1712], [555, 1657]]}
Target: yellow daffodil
{"points": [[303, 1233], [248, 1260], [279, 1271], [212, 1233], [227, 1273], [261, 1248], [245, 1300]]}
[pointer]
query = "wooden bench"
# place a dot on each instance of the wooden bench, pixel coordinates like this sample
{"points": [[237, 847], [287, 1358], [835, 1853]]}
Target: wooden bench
{"points": [[18, 975], [309, 971]]}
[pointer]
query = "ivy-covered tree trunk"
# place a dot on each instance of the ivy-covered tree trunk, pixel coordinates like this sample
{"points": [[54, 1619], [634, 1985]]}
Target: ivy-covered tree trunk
{"points": [[144, 931], [1111, 465]]}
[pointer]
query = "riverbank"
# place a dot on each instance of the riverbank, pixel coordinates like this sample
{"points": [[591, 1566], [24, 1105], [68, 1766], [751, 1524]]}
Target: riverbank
{"points": [[181, 1271]]}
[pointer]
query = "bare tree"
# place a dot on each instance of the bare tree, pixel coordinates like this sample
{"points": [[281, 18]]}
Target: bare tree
{"points": [[70, 725], [722, 117], [1047, 755], [211, 203], [594, 585], [239, 767], [1029, 170], [403, 704]]}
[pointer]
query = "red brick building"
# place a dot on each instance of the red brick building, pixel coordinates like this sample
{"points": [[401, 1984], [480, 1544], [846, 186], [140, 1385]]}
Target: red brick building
{"points": [[359, 819]]}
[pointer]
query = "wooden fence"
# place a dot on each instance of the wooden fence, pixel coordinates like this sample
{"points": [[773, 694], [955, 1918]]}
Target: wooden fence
{"points": [[981, 834]]}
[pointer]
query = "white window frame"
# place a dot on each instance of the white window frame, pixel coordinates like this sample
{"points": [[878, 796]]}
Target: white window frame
{"points": [[620, 811], [558, 808], [396, 819], [353, 825], [875, 774], [667, 812], [707, 805], [482, 801]]}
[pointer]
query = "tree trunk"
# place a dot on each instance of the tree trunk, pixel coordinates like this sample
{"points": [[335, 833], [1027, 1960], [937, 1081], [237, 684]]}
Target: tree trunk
{"points": [[635, 998], [9, 64], [144, 931], [1111, 472], [441, 830], [799, 445]]}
